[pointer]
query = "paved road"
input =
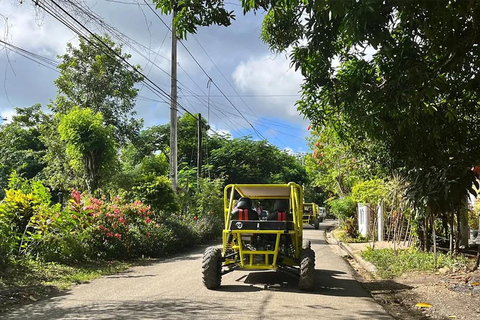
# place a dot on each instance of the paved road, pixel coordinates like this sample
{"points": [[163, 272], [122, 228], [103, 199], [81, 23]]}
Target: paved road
{"points": [[173, 289]]}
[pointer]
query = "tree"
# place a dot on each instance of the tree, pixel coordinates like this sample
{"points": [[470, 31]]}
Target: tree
{"points": [[333, 165], [157, 139], [21, 147], [192, 13], [247, 161], [92, 76], [91, 149]]}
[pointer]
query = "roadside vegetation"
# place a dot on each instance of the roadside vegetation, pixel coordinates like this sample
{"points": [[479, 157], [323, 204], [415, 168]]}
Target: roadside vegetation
{"points": [[392, 263], [398, 127], [393, 102], [84, 188]]}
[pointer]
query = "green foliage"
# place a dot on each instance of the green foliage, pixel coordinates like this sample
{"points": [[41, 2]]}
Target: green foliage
{"points": [[157, 192], [371, 191], [349, 232], [342, 208], [91, 78], [391, 263], [246, 161], [90, 147], [192, 13], [157, 139], [473, 219], [21, 147], [334, 165], [37, 273], [16, 210]]}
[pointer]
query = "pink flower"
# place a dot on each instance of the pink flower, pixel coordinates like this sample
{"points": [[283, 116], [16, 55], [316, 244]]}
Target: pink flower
{"points": [[118, 235], [195, 218], [309, 127], [75, 196], [148, 235], [110, 234]]}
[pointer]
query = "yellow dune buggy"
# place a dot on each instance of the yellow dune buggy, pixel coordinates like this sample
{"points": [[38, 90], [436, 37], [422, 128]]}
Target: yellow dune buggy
{"points": [[311, 215], [253, 242]]}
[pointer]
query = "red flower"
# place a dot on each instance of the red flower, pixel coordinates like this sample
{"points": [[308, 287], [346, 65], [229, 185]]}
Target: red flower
{"points": [[118, 235], [309, 127], [148, 235], [147, 220], [75, 196], [109, 234], [195, 218]]}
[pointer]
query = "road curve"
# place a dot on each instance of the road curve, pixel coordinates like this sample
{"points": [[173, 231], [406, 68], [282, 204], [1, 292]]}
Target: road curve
{"points": [[172, 289]]}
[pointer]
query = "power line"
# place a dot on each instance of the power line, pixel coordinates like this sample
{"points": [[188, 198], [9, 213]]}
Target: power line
{"points": [[205, 72], [149, 83], [93, 16], [225, 78]]}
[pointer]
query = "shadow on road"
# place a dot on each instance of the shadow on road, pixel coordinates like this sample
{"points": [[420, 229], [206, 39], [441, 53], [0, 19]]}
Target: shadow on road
{"points": [[157, 309], [328, 282]]}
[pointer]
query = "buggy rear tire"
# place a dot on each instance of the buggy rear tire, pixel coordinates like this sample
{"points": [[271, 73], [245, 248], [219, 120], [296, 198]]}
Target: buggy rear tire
{"points": [[307, 270], [316, 223], [212, 267]]}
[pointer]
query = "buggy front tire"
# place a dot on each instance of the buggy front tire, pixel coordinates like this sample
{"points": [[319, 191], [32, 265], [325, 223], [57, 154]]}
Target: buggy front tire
{"points": [[307, 270], [212, 268], [316, 223]]}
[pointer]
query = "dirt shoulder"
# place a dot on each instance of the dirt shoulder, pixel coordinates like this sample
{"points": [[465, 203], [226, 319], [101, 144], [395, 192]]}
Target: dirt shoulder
{"points": [[451, 294]]}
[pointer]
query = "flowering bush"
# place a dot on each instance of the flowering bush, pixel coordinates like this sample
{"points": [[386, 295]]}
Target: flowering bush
{"points": [[91, 228]]}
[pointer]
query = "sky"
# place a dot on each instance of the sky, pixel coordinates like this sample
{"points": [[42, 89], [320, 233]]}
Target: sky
{"points": [[252, 87]]}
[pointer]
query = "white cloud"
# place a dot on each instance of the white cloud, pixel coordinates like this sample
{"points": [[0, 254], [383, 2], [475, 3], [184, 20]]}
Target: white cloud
{"points": [[215, 130], [270, 75], [27, 26], [7, 114]]}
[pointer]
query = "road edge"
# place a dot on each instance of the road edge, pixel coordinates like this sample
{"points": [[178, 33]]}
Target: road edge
{"points": [[368, 266]]}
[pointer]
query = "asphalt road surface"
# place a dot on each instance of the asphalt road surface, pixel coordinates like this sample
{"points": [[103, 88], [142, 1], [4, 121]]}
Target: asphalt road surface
{"points": [[172, 289]]}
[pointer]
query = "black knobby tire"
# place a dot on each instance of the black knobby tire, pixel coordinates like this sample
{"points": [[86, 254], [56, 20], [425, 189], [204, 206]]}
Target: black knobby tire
{"points": [[316, 223], [212, 267], [307, 270]]}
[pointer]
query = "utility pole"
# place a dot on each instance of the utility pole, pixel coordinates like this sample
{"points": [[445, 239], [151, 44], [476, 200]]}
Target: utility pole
{"points": [[199, 152], [173, 109]]}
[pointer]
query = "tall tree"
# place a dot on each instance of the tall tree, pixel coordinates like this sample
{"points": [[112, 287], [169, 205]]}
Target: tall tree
{"points": [[21, 148], [247, 161], [157, 139], [91, 149], [95, 76], [407, 78]]}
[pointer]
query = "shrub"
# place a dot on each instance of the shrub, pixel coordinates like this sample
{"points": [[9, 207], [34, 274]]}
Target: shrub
{"points": [[391, 263], [157, 192], [342, 208]]}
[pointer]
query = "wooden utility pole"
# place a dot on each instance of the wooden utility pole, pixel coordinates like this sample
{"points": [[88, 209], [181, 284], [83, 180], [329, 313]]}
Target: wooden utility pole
{"points": [[173, 109], [199, 152]]}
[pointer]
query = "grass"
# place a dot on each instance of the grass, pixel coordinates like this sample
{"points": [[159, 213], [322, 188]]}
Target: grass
{"points": [[391, 264], [343, 236], [29, 272], [29, 280]]}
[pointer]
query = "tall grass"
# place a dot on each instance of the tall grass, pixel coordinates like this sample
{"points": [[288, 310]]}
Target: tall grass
{"points": [[390, 263]]}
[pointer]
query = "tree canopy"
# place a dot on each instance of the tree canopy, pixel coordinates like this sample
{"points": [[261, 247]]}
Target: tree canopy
{"points": [[401, 74], [93, 76]]}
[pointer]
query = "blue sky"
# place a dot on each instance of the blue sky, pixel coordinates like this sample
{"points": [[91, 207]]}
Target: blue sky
{"points": [[257, 83]]}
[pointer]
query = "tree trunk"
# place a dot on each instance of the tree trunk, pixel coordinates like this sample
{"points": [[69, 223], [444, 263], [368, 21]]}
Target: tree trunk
{"points": [[434, 241], [452, 222]]}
